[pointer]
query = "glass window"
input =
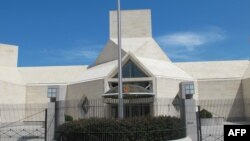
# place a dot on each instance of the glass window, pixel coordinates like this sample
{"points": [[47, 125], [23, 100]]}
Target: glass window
{"points": [[189, 89], [191, 86], [52, 92], [130, 70]]}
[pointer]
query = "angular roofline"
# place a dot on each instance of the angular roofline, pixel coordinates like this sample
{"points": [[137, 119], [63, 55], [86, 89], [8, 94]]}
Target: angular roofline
{"points": [[212, 61], [30, 67], [127, 57], [246, 71], [215, 70]]}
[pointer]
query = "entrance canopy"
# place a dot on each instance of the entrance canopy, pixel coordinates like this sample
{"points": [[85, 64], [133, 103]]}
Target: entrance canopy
{"points": [[129, 91]]}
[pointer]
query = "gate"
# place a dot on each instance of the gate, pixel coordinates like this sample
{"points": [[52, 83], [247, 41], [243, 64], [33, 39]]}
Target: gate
{"points": [[26, 122]]}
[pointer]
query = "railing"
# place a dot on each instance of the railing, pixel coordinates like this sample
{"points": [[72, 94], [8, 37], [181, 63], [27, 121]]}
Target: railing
{"points": [[223, 111], [133, 108], [37, 121], [21, 122], [107, 108]]}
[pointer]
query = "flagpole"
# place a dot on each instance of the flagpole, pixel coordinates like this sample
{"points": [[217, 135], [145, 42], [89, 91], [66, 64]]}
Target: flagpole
{"points": [[120, 87]]}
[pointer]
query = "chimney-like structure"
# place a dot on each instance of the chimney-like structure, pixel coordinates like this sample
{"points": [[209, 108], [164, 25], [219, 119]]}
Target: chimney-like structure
{"points": [[8, 55], [136, 35], [135, 23]]}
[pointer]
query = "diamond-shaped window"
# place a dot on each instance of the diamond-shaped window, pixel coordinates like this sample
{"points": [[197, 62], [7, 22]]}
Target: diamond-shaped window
{"points": [[85, 105]]}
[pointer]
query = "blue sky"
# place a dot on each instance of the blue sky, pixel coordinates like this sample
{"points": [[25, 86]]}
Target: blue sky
{"points": [[73, 32]]}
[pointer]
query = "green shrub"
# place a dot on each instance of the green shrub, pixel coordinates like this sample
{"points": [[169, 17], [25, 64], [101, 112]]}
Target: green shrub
{"points": [[205, 114], [68, 118], [131, 129]]}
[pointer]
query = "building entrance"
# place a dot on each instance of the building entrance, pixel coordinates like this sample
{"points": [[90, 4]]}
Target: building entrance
{"points": [[132, 110]]}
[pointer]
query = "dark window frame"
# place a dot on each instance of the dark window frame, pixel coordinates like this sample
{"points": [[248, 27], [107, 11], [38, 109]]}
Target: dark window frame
{"points": [[131, 70], [52, 92], [189, 89]]}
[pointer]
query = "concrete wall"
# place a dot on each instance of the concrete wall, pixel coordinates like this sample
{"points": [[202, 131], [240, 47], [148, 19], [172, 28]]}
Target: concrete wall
{"points": [[135, 23], [224, 98], [50, 124], [36, 100], [11, 113], [219, 89], [166, 91], [11, 93], [165, 107], [8, 55], [109, 53], [13, 106], [246, 90], [76, 93], [62, 92], [167, 87], [12, 99], [91, 89], [37, 94]]}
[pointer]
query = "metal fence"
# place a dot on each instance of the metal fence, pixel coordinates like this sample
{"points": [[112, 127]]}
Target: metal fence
{"points": [[22, 122], [223, 111], [38, 122], [133, 108], [107, 108]]}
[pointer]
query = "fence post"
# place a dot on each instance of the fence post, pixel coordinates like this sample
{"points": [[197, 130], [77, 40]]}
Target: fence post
{"points": [[199, 123], [190, 118], [45, 126], [189, 113]]}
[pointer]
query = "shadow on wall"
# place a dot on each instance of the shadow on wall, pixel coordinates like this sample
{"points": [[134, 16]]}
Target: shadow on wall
{"points": [[246, 97], [177, 102], [237, 111], [232, 109]]}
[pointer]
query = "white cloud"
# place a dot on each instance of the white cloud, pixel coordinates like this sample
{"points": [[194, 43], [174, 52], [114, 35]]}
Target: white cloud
{"points": [[182, 39], [190, 40], [190, 45], [79, 53], [76, 53], [183, 55]]}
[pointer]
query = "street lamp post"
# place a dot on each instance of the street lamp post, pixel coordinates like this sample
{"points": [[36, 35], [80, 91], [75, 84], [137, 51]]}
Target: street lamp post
{"points": [[120, 87]]}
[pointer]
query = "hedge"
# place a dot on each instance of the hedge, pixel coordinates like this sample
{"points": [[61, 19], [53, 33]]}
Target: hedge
{"points": [[68, 118], [205, 114], [131, 129]]}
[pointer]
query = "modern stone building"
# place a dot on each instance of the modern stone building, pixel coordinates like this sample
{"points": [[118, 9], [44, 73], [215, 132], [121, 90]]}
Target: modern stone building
{"points": [[147, 72]]}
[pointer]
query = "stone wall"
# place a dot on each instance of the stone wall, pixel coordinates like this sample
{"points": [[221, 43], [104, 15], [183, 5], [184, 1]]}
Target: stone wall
{"points": [[8, 55], [223, 98], [76, 94], [246, 90], [11, 93]]}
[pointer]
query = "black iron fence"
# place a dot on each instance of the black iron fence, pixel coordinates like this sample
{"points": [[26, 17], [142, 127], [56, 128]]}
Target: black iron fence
{"points": [[22, 122], [215, 113], [85, 111], [108, 108]]}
